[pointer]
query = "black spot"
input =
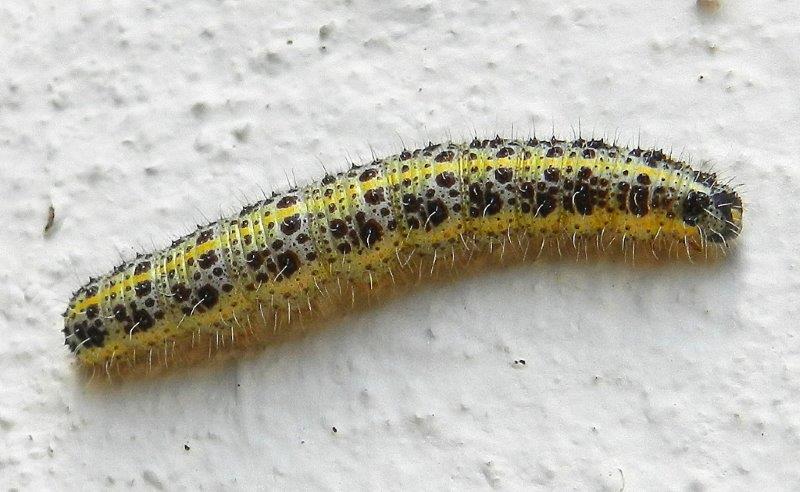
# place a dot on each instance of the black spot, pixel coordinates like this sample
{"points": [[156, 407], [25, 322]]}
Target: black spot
{"points": [[446, 179], [551, 174], [504, 152], [92, 311], [344, 248], [493, 203], [639, 200], [374, 196], [141, 268], [254, 259], [120, 313], [328, 179], [208, 296], [405, 155], [207, 259], [286, 201], [143, 288], [588, 153], [142, 321], [217, 271], [371, 232], [338, 228], [227, 287], [503, 175], [445, 156], [180, 292], [555, 152], [411, 203], [475, 194], [437, 212], [205, 236], [643, 179], [277, 244], [694, 206], [526, 190], [96, 336], [367, 175], [288, 263], [545, 204], [584, 173], [290, 225], [582, 198]]}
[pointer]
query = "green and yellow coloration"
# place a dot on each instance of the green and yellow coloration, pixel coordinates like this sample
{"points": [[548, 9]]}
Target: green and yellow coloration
{"points": [[241, 278]]}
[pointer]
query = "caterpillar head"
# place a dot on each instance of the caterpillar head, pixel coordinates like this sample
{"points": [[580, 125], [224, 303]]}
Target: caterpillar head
{"points": [[718, 213]]}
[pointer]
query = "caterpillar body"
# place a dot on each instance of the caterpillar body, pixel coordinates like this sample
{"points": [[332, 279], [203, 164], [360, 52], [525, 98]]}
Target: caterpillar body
{"points": [[239, 279]]}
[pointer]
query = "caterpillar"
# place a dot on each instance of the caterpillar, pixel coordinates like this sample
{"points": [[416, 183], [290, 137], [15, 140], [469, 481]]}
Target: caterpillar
{"points": [[235, 282]]}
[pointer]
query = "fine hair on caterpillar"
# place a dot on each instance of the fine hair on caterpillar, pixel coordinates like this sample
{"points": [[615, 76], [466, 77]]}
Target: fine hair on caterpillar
{"points": [[300, 256]]}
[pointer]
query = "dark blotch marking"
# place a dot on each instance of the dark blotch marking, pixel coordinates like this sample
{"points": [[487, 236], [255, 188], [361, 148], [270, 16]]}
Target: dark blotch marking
{"points": [[286, 201], [208, 295], [141, 320], [92, 311], [374, 196], [338, 228], [503, 175], [368, 175], [254, 259], [545, 204], [143, 288], [290, 225], [694, 206], [207, 259], [141, 268], [555, 152], [582, 198], [288, 263], [504, 152], [181, 293], [446, 179], [411, 203], [371, 232], [205, 236], [551, 174], [445, 156], [639, 200], [437, 212]]}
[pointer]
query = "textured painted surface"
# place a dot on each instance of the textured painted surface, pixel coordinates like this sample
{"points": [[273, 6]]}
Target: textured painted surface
{"points": [[139, 122]]}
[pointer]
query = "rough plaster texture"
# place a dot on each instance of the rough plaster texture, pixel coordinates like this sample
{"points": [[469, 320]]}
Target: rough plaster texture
{"points": [[136, 120]]}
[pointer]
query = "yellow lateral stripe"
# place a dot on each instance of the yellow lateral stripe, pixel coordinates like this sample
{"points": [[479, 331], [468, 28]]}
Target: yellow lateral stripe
{"points": [[392, 179]]}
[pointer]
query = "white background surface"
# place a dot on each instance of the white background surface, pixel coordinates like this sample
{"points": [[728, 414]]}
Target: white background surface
{"points": [[124, 116]]}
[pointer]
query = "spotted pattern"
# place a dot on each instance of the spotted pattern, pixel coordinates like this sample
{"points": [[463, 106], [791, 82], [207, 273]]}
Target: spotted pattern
{"points": [[292, 249]]}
